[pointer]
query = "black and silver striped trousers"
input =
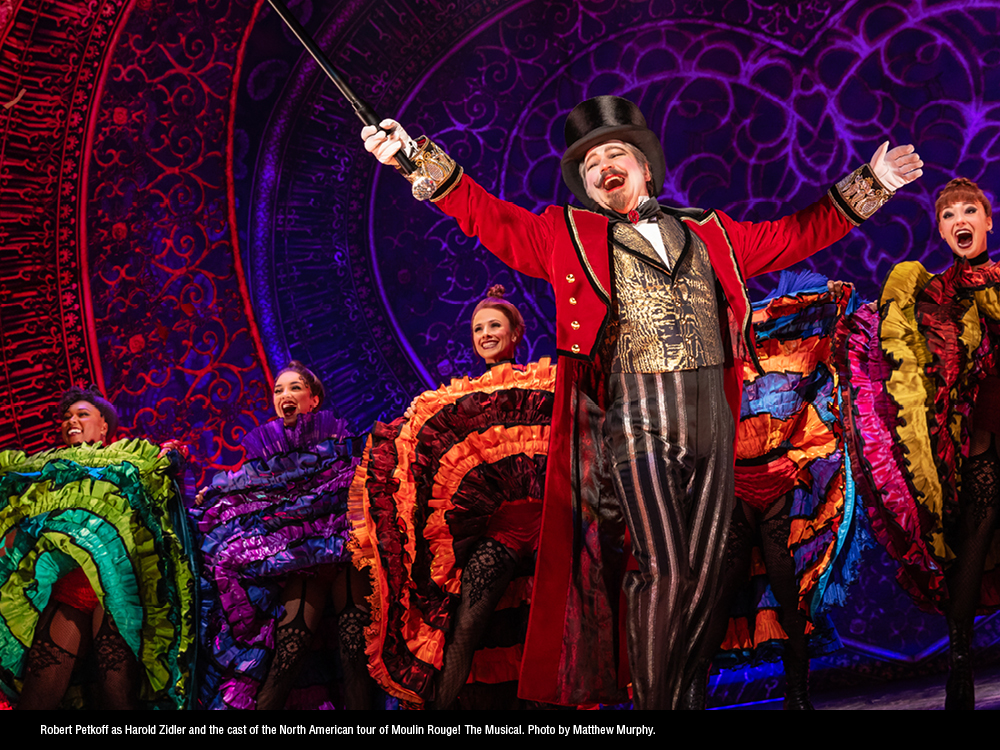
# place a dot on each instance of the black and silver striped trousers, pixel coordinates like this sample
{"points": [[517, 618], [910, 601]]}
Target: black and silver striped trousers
{"points": [[670, 437]]}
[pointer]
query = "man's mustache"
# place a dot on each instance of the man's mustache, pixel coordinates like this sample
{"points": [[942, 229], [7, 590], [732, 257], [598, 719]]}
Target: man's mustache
{"points": [[611, 172]]}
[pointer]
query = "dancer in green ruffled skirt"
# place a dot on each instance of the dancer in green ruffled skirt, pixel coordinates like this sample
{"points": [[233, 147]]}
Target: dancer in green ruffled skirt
{"points": [[91, 564]]}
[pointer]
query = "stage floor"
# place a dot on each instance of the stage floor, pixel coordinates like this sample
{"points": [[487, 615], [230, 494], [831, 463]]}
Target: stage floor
{"points": [[925, 694]]}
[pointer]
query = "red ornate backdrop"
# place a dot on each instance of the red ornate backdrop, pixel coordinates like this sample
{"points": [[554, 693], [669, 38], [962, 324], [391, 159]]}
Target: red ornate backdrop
{"points": [[160, 145]]}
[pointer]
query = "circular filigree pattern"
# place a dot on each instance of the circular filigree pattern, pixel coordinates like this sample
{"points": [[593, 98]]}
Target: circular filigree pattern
{"points": [[762, 105]]}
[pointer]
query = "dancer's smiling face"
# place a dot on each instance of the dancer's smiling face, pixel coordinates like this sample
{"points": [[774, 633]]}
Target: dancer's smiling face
{"points": [[82, 423], [492, 335], [292, 396], [614, 176], [964, 226]]}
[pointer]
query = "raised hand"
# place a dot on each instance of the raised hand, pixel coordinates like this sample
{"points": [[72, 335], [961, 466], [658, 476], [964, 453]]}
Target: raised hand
{"points": [[384, 143], [898, 167]]}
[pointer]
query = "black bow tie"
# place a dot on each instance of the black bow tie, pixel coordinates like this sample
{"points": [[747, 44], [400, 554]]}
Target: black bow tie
{"points": [[646, 212]]}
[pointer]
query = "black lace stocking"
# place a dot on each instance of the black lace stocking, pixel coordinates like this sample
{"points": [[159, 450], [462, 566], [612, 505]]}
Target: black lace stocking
{"points": [[487, 565], [979, 506], [60, 637], [303, 600], [358, 684], [484, 579], [117, 669], [351, 624], [351, 589]]}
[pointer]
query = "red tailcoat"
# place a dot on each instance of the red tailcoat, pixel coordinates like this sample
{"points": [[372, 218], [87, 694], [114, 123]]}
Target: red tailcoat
{"points": [[571, 655]]}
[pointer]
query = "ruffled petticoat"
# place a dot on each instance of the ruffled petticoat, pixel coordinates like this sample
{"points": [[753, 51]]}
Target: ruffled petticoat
{"points": [[911, 372], [274, 517], [469, 465], [103, 512], [789, 443]]}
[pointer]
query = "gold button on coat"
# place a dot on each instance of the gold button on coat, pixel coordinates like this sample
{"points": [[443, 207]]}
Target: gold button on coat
{"points": [[572, 300], [570, 278], [575, 348], [575, 324]]}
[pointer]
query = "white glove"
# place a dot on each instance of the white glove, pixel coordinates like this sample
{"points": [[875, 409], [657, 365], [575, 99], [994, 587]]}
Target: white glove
{"points": [[896, 168], [385, 143]]}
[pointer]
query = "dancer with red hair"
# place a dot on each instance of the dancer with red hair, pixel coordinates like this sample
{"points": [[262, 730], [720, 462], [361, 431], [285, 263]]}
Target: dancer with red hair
{"points": [[921, 376], [457, 483]]}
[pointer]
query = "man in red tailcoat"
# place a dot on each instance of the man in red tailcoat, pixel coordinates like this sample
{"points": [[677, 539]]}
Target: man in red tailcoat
{"points": [[652, 328]]}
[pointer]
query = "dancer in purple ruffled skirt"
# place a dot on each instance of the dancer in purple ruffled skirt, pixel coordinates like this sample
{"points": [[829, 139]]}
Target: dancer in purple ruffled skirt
{"points": [[274, 550]]}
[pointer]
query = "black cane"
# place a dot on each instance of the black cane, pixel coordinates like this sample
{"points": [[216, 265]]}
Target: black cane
{"points": [[361, 108]]}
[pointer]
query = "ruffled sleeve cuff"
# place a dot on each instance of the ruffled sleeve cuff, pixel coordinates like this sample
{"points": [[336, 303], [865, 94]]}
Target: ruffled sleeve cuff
{"points": [[859, 195]]}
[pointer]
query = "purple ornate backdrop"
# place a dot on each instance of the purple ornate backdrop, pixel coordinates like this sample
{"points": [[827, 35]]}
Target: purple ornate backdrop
{"points": [[763, 105], [186, 204]]}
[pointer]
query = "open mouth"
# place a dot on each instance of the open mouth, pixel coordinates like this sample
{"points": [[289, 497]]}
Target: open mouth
{"points": [[613, 182], [488, 344], [963, 238], [288, 410]]}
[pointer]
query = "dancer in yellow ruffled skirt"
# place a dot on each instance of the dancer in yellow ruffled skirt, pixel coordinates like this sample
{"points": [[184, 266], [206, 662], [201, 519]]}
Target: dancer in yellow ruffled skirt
{"points": [[920, 375]]}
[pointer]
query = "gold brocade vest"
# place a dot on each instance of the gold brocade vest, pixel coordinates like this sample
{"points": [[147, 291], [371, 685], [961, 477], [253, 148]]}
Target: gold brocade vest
{"points": [[666, 319]]}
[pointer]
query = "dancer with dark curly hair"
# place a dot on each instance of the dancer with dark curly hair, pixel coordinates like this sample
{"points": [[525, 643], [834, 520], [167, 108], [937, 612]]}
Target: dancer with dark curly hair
{"points": [[90, 525]]}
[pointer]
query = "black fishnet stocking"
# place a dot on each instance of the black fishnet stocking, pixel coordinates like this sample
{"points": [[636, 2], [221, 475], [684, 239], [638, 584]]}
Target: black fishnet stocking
{"points": [[484, 579], [60, 637]]}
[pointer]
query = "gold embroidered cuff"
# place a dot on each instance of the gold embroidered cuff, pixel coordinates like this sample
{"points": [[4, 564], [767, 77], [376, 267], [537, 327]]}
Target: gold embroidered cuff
{"points": [[436, 174], [859, 195]]}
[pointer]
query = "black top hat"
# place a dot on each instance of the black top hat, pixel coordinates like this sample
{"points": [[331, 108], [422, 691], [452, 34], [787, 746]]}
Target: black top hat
{"points": [[602, 119]]}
